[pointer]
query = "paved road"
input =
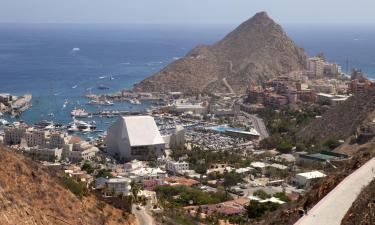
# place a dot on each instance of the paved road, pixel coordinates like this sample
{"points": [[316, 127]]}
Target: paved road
{"points": [[333, 207], [142, 216], [258, 125]]}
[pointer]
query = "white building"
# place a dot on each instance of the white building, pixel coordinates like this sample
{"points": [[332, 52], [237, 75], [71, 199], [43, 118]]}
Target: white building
{"points": [[13, 135], [78, 150], [176, 167], [145, 173], [176, 138], [315, 67], [306, 179], [119, 185], [46, 154], [135, 137]]}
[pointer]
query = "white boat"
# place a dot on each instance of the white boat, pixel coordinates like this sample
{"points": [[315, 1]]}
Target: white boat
{"points": [[3, 122], [79, 113], [81, 126], [75, 49], [135, 101], [65, 103], [96, 102], [75, 86], [102, 77]]}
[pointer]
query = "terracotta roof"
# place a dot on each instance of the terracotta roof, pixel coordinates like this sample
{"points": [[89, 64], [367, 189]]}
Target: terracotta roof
{"points": [[181, 181], [75, 139]]}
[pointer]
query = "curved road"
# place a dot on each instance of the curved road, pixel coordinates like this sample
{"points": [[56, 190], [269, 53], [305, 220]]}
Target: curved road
{"points": [[143, 217], [333, 207]]}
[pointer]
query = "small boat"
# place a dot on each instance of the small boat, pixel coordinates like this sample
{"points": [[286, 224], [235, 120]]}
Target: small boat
{"points": [[102, 77], [111, 78], [75, 86], [43, 124], [76, 49], [96, 102], [65, 103], [135, 101], [103, 87]]}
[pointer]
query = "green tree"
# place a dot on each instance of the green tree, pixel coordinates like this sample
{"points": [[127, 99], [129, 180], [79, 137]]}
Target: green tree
{"points": [[135, 189], [257, 209], [261, 194]]}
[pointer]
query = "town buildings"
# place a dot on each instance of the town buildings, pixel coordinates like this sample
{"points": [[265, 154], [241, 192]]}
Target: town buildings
{"points": [[48, 145]]}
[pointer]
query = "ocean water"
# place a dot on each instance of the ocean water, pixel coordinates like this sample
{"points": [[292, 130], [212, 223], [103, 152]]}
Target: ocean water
{"points": [[40, 58]]}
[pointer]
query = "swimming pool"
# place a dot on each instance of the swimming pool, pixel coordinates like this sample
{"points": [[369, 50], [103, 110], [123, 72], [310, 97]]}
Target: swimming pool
{"points": [[224, 128]]}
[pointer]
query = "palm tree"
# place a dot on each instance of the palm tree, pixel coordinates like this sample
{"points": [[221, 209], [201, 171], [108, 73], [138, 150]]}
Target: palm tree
{"points": [[135, 188]]}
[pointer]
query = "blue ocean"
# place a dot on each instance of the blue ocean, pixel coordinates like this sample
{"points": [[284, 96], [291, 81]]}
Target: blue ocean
{"points": [[58, 63]]}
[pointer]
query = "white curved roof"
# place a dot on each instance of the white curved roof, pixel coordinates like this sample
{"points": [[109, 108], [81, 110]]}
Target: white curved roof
{"points": [[142, 130]]}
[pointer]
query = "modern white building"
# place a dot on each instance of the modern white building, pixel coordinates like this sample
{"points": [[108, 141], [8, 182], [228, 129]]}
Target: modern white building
{"points": [[145, 173], [175, 138], [135, 137], [119, 186], [306, 179], [176, 167]]}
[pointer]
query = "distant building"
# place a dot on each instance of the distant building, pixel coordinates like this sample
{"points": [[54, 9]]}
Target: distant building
{"points": [[135, 137], [305, 180], [46, 154], [315, 67], [174, 138], [119, 186], [176, 167]]}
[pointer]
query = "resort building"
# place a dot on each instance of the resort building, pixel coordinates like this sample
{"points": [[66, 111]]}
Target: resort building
{"points": [[174, 138], [119, 186], [176, 167], [135, 137]]}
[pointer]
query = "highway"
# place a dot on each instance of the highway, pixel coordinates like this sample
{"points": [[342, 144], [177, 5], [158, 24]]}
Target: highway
{"points": [[333, 207], [258, 125]]}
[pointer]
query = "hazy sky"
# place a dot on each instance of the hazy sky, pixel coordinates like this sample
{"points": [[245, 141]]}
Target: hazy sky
{"points": [[185, 11]]}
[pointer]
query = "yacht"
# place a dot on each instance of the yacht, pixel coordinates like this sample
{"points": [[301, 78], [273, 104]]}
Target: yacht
{"points": [[81, 126], [79, 113]]}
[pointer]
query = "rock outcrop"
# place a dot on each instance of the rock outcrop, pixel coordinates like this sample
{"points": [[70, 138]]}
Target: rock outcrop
{"points": [[255, 51]]}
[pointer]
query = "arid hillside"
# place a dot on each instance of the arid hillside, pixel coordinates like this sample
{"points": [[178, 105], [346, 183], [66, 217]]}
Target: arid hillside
{"points": [[343, 120], [255, 51], [29, 195]]}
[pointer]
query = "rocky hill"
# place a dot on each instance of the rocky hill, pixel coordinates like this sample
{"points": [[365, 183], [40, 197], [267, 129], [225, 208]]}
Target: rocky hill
{"points": [[255, 51], [342, 120], [30, 195]]}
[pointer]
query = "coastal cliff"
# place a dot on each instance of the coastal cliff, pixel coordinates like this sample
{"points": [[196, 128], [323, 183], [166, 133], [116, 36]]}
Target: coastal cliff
{"points": [[254, 52]]}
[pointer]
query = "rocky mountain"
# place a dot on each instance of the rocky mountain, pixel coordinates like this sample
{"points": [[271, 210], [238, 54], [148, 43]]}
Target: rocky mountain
{"points": [[342, 120], [30, 195], [255, 51]]}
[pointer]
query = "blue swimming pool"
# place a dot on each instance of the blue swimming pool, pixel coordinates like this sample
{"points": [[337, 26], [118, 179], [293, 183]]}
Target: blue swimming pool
{"points": [[223, 129]]}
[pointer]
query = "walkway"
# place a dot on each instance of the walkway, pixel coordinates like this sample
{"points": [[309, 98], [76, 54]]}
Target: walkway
{"points": [[333, 207]]}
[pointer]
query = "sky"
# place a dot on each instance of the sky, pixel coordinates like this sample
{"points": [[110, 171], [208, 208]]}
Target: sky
{"points": [[186, 11]]}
